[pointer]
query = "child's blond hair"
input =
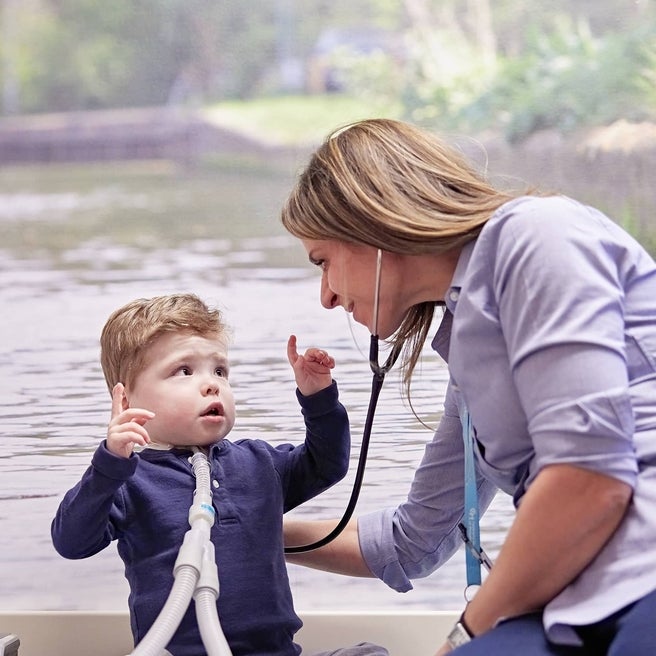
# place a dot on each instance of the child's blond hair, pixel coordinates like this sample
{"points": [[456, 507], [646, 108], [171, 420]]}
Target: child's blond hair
{"points": [[131, 329]]}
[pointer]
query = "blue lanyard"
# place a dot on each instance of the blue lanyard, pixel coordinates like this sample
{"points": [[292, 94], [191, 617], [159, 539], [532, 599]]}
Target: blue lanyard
{"points": [[470, 528]]}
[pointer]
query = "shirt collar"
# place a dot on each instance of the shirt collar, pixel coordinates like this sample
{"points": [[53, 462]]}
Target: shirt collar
{"points": [[453, 292], [442, 338]]}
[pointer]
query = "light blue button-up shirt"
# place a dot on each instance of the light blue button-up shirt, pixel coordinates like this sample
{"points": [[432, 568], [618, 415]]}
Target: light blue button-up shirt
{"points": [[550, 338]]}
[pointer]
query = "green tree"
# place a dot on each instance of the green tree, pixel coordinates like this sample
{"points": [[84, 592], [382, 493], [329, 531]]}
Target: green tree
{"points": [[468, 63], [76, 58]]}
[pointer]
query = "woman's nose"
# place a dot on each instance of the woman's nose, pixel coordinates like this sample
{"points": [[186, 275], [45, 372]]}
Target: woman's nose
{"points": [[328, 297]]}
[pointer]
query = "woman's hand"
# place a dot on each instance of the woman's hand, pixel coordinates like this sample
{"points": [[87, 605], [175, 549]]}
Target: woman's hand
{"points": [[311, 370], [444, 649], [126, 426]]}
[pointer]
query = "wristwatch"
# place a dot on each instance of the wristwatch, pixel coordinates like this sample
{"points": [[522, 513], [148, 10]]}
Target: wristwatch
{"points": [[459, 635]]}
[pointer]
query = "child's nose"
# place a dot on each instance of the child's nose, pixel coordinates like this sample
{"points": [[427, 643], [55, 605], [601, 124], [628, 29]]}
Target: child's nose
{"points": [[211, 388]]}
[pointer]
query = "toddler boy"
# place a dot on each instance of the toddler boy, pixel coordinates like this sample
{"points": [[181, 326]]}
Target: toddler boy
{"points": [[165, 360]]}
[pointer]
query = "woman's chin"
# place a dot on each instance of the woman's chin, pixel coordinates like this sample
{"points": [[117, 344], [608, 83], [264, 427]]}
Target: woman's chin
{"points": [[363, 321], [368, 323]]}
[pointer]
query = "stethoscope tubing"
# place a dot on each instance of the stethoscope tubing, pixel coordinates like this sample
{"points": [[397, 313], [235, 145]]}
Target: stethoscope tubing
{"points": [[376, 385]]}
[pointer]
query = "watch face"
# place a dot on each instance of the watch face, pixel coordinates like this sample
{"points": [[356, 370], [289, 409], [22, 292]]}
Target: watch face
{"points": [[458, 636]]}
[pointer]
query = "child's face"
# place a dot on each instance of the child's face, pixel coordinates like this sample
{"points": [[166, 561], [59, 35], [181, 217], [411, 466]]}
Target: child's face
{"points": [[185, 383]]}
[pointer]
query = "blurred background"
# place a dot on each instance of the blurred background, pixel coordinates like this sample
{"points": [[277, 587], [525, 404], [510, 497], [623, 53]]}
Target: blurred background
{"points": [[561, 94], [474, 65], [146, 147]]}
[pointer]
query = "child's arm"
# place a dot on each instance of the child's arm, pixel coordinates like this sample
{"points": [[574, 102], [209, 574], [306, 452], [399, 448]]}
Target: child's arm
{"points": [[323, 459], [90, 513], [312, 370]]}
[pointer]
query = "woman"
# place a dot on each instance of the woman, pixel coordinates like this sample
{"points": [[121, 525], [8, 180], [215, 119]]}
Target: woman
{"points": [[549, 331]]}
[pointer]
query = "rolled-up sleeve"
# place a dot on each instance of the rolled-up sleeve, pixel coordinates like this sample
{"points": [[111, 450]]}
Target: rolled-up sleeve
{"points": [[567, 346]]}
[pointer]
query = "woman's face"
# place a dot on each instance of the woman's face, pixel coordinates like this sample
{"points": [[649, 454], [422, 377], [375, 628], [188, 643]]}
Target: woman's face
{"points": [[348, 280]]}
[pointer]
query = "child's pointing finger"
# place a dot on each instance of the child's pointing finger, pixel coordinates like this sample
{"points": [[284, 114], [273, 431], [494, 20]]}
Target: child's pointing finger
{"points": [[117, 399], [292, 353]]}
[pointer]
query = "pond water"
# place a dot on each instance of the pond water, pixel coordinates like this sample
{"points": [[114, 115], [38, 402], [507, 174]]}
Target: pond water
{"points": [[77, 242]]}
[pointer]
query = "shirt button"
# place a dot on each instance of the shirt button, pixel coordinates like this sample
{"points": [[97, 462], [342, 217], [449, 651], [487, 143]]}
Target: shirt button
{"points": [[454, 295], [215, 483]]}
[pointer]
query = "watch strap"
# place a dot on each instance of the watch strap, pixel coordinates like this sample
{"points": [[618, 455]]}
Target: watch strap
{"points": [[460, 634], [465, 626]]}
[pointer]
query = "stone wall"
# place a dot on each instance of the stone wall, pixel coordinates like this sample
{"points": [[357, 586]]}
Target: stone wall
{"points": [[151, 133], [610, 167]]}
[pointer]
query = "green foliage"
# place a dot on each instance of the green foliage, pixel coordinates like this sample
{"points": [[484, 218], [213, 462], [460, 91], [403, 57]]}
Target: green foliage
{"points": [[563, 79], [566, 79], [555, 65], [73, 60], [442, 85]]}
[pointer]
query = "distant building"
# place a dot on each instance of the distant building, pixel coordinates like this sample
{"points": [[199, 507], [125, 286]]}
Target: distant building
{"points": [[323, 75]]}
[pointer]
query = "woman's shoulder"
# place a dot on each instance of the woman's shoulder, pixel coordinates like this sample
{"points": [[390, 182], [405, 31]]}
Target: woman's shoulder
{"points": [[532, 211], [548, 220]]}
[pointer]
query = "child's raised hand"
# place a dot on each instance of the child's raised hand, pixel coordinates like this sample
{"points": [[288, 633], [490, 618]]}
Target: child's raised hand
{"points": [[126, 427], [312, 370]]}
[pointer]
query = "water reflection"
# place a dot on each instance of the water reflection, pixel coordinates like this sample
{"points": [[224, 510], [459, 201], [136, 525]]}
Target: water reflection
{"points": [[75, 244]]}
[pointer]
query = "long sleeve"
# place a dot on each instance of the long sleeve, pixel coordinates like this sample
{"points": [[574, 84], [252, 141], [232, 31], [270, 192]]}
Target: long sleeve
{"points": [[419, 536], [87, 518], [323, 459], [555, 304]]}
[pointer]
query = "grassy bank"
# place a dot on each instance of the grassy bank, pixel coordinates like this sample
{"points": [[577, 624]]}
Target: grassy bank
{"points": [[295, 120]]}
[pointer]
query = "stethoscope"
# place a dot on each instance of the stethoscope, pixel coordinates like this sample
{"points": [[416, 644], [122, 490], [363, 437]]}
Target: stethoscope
{"points": [[379, 372]]}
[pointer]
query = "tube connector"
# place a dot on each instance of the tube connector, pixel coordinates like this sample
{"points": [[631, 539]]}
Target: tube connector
{"points": [[9, 644], [191, 551], [204, 511], [209, 573]]}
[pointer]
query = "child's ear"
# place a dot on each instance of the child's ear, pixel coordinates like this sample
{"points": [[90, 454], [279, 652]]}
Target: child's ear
{"points": [[119, 388], [125, 403]]}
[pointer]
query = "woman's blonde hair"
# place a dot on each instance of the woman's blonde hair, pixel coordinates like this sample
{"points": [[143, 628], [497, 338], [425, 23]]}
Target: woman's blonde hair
{"points": [[394, 186], [131, 329]]}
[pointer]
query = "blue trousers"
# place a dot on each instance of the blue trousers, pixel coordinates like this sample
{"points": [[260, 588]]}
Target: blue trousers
{"points": [[629, 632], [361, 649]]}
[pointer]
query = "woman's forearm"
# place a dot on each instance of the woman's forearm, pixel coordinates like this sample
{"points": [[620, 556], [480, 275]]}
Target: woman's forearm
{"points": [[564, 520], [342, 555]]}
